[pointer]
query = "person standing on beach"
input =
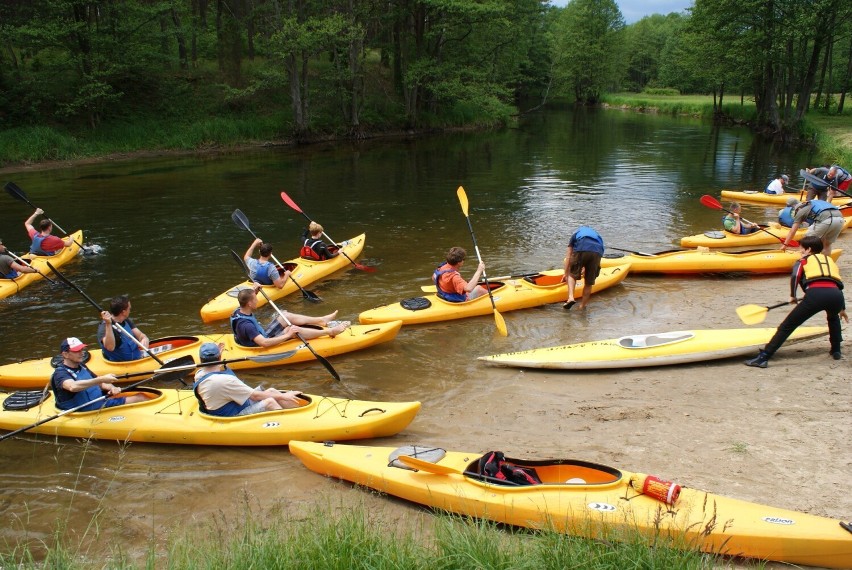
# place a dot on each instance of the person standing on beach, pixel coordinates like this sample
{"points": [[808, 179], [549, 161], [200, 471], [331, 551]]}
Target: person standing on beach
{"points": [[582, 261]]}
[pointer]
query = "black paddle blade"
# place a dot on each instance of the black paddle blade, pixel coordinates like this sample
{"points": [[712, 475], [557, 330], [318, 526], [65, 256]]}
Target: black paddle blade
{"points": [[166, 374], [241, 262], [15, 191]]}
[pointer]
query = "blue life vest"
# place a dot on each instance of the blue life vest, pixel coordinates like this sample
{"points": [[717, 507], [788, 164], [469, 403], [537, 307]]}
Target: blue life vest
{"points": [[125, 349], [785, 217], [36, 246], [229, 409], [262, 274], [65, 400], [450, 297], [237, 316], [818, 207]]}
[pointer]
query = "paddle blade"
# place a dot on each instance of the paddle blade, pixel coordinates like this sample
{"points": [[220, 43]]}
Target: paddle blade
{"points": [[242, 264], [289, 201], [500, 323], [183, 366], [15, 191], [427, 466], [462, 200], [752, 314], [710, 202], [240, 220]]}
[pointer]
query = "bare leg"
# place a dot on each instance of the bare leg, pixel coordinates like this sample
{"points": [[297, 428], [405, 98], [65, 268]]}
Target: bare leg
{"points": [[297, 319]]}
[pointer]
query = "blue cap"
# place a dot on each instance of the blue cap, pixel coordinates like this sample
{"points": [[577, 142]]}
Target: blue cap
{"points": [[209, 352]]}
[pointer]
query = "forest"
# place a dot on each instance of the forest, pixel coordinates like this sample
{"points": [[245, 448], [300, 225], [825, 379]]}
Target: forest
{"points": [[71, 70]]}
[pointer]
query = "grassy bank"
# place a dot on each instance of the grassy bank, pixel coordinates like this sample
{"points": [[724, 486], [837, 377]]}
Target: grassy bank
{"points": [[355, 538]]}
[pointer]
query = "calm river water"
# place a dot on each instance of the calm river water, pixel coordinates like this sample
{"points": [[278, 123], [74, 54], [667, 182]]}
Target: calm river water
{"points": [[165, 229]]}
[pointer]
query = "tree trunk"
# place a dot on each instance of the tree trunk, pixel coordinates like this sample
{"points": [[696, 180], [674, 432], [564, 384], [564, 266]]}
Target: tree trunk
{"points": [[181, 40], [828, 56], [845, 86], [808, 81]]}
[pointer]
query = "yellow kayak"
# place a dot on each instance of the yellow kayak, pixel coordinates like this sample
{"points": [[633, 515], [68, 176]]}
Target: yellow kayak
{"points": [[591, 500], [658, 349], [780, 200], [172, 416], [11, 286], [306, 271], [533, 291], [775, 234], [695, 261], [36, 372]]}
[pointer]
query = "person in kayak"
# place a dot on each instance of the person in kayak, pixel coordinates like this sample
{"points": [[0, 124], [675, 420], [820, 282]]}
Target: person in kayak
{"points": [[450, 285], [819, 278], [826, 222], [249, 332], [117, 347], [777, 185], [263, 270], [735, 224], [582, 260], [312, 245], [221, 393], [785, 215], [9, 266], [44, 243], [73, 384]]}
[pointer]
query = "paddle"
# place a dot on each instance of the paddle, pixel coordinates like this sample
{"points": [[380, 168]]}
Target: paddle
{"points": [[166, 373], [15, 191], [23, 261], [242, 222], [289, 201], [432, 288], [712, 202], [178, 363], [438, 469], [754, 314], [322, 360], [498, 318], [816, 180], [116, 327], [631, 251]]}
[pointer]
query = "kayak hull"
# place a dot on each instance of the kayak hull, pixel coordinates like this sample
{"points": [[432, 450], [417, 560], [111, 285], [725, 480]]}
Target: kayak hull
{"points": [[659, 349], [36, 372], [172, 416], [780, 200], [545, 287], [9, 287], [697, 261], [595, 501], [306, 271]]}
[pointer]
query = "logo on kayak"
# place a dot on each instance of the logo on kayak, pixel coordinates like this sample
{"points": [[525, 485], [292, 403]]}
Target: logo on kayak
{"points": [[778, 520], [271, 424], [116, 419], [603, 507]]}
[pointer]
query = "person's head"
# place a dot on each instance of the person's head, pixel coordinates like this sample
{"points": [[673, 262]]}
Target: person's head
{"points": [[2, 247], [45, 226], [832, 171], [265, 249], [72, 349], [118, 305], [735, 207], [246, 298], [811, 242], [315, 229], [210, 352], [784, 178], [456, 255], [792, 202]]}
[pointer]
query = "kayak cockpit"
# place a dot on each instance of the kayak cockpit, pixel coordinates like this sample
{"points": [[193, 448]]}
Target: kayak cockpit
{"points": [[548, 472]]}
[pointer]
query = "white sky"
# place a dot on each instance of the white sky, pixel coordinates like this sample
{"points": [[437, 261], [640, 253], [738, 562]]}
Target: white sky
{"points": [[635, 10]]}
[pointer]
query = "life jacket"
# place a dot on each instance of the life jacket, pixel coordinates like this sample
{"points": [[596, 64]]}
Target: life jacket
{"points": [[820, 267], [841, 175], [124, 349], [36, 245], [308, 251], [446, 296], [785, 217], [262, 273], [818, 207], [229, 409], [65, 400], [237, 316], [743, 229], [494, 466]]}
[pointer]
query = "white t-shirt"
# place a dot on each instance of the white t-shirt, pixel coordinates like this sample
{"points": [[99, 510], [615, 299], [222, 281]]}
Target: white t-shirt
{"points": [[775, 187], [220, 388]]}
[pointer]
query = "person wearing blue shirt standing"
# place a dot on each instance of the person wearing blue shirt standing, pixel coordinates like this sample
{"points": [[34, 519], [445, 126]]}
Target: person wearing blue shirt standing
{"points": [[582, 260]]}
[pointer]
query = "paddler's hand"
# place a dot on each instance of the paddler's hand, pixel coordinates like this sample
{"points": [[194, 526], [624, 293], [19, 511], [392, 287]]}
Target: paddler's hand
{"points": [[106, 316], [844, 316]]}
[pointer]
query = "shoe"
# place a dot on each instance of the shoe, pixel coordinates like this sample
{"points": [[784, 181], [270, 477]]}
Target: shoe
{"points": [[569, 304], [836, 355], [759, 361]]}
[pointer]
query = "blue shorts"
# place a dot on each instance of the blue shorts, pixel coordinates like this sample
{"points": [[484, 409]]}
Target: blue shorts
{"points": [[108, 403]]}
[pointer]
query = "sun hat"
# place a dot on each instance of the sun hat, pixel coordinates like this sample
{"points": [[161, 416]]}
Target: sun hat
{"points": [[791, 201], [785, 177]]}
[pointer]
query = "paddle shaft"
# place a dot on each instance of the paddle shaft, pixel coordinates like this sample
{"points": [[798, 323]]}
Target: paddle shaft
{"points": [[631, 251], [116, 327], [28, 264], [264, 358], [289, 201], [15, 191], [242, 221], [320, 358]]}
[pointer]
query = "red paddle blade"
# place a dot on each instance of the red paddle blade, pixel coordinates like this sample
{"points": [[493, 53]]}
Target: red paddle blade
{"points": [[289, 201], [711, 202]]}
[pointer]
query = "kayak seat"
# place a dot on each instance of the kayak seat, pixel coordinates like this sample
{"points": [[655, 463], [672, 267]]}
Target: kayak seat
{"points": [[25, 399]]}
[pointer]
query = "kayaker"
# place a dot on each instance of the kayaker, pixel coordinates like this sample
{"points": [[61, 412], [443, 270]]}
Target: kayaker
{"points": [[249, 332], [839, 177], [777, 185], [819, 278], [582, 260], [73, 384], [818, 190], [263, 270], [43, 242], [825, 219], [450, 285], [312, 245], [117, 347], [735, 224], [9, 266], [221, 393]]}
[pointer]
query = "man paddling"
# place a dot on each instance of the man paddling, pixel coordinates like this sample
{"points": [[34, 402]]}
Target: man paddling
{"points": [[117, 346], [9, 266], [263, 270], [44, 243]]}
